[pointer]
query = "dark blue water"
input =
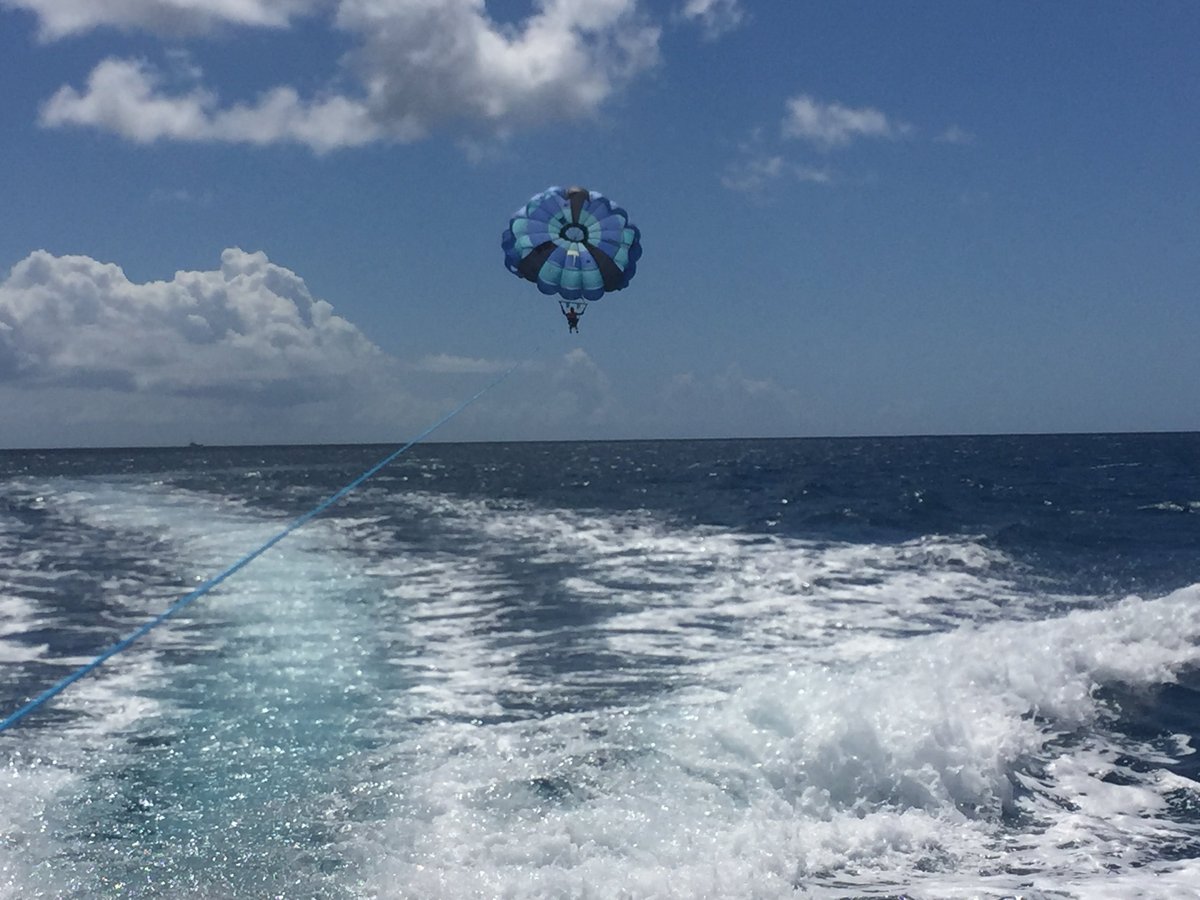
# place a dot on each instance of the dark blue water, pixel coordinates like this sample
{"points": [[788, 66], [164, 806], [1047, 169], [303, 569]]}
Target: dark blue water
{"points": [[936, 667]]}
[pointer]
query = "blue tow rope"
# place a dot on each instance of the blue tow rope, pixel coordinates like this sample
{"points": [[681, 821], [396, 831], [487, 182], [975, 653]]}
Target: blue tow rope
{"points": [[207, 586]]}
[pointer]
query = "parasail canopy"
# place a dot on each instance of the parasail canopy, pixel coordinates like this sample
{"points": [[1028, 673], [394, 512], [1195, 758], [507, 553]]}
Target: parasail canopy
{"points": [[572, 242]]}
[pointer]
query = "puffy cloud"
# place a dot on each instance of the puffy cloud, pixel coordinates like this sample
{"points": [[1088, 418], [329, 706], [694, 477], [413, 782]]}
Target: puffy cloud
{"points": [[829, 125], [249, 330], [65, 18], [432, 62], [420, 64], [244, 353], [121, 97], [715, 17], [127, 98]]}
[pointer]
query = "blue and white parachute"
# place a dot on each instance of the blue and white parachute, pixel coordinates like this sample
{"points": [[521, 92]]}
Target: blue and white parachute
{"points": [[574, 243]]}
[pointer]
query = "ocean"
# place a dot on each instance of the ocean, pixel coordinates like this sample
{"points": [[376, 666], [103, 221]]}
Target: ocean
{"points": [[940, 667]]}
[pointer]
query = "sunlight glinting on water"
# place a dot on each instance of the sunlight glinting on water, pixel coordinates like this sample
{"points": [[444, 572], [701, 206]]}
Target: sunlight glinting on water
{"points": [[437, 696]]}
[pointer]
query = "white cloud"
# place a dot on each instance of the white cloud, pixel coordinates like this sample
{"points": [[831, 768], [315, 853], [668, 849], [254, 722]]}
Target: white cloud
{"points": [[759, 168], [829, 125], [121, 97], [65, 18], [434, 62], [420, 65], [765, 163], [756, 174], [249, 330], [753, 173], [127, 97], [244, 353], [956, 135], [715, 17], [448, 364]]}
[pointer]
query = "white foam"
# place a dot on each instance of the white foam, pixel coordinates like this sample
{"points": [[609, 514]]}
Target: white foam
{"points": [[18, 615], [832, 779], [833, 727], [733, 603]]}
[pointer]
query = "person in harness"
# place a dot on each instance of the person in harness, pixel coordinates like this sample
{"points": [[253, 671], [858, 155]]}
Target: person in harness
{"points": [[572, 311]]}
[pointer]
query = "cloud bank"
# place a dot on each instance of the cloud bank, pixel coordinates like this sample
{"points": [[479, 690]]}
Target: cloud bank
{"points": [[248, 329], [416, 66], [244, 353]]}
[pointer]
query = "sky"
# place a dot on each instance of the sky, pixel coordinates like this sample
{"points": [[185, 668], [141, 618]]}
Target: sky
{"points": [[278, 221]]}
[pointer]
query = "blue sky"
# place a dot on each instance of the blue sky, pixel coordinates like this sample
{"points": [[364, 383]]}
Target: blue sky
{"points": [[279, 220]]}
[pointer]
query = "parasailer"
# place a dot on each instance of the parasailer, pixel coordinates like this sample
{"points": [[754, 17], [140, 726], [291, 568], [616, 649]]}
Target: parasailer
{"points": [[572, 315], [572, 242]]}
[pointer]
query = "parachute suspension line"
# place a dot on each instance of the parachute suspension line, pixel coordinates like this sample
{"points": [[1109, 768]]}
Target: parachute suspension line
{"points": [[211, 583]]}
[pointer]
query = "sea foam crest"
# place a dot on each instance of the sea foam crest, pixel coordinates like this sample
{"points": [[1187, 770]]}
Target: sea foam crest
{"points": [[829, 779]]}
